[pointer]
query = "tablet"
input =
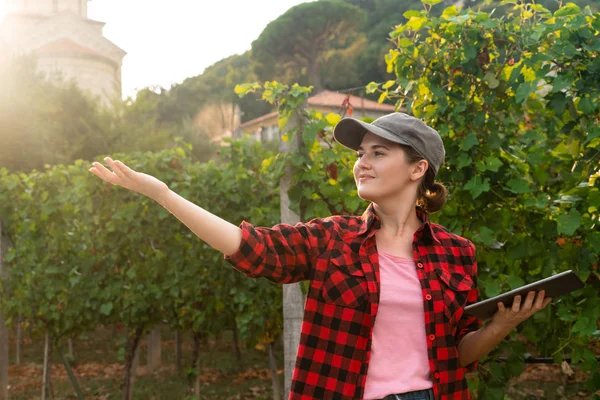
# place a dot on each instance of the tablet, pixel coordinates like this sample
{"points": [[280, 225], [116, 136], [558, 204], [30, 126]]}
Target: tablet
{"points": [[555, 286]]}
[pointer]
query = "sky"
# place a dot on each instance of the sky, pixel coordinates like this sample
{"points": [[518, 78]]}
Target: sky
{"points": [[169, 40]]}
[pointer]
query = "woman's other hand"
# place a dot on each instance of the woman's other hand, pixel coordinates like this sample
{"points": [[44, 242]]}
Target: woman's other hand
{"points": [[126, 177], [508, 318]]}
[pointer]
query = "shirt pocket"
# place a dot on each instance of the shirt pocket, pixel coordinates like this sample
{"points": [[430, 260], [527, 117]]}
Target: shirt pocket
{"points": [[345, 283], [456, 285]]}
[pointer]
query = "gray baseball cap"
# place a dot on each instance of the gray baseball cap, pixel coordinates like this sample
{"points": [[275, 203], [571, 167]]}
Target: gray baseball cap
{"points": [[396, 127]]}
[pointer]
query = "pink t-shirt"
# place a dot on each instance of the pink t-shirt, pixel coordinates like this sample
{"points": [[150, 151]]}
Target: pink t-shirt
{"points": [[399, 361]]}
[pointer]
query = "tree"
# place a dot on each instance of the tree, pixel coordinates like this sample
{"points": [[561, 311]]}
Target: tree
{"points": [[217, 119], [382, 16], [43, 123], [516, 102], [299, 38], [214, 85]]}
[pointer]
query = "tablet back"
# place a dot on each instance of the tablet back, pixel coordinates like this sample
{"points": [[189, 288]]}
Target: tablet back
{"points": [[555, 285]]}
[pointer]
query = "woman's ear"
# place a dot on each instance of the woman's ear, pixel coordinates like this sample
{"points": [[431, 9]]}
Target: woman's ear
{"points": [[419, 169]]}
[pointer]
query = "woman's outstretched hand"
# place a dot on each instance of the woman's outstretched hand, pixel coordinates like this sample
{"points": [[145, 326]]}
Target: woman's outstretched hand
{"points": [[126, 177]]}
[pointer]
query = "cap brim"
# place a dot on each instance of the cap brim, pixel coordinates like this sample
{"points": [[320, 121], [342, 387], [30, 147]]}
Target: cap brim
{"points": [[349, 132]]}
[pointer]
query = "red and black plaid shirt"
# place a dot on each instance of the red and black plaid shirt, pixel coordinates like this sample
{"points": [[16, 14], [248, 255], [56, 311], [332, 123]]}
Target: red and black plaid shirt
{"points": [[339, 257]]}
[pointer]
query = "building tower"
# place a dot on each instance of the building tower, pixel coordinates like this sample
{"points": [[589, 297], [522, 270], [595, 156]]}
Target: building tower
{"points": [[66, 44]]}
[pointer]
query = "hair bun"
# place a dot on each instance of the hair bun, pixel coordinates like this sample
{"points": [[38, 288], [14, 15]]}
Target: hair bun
{"points": [[434, 197]]}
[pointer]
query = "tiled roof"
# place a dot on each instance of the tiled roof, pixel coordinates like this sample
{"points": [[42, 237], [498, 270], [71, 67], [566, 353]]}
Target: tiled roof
{"points": [[334, 99], [259, 119], [331, 99], [65, 46]]}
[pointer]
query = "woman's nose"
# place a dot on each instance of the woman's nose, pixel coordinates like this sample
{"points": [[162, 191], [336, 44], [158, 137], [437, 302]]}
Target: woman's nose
{"points": [[362, 163]]}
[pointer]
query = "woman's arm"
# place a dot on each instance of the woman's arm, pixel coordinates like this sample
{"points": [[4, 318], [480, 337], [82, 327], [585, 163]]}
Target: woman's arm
{"points": [[218, 233], [475, 345], [282, 254]]}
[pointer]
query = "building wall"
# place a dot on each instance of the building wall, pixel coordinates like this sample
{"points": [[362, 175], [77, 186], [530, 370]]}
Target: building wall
{"points": [[31, 6], [15, 26], [30, 25], [98, 27], [78, 7], [95, 75], [47, 7], [58, 26]]}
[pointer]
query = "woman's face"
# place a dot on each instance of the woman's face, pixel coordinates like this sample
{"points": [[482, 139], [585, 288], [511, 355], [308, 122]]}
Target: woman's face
{"points": [[382, 171]]}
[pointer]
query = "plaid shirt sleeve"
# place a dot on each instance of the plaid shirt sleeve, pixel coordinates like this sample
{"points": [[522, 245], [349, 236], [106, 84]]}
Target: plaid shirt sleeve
{"points": [[468, 323], [281, 254]]}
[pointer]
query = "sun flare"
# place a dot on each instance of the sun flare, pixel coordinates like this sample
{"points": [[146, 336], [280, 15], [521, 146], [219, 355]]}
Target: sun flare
{"points": [[2, 9]]}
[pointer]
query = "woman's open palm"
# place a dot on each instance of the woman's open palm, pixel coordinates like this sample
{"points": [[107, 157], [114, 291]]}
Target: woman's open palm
{"points": [[126, 177]]}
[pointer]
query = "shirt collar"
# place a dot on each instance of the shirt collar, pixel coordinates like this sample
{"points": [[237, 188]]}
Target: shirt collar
{"points": [[370, 221]]}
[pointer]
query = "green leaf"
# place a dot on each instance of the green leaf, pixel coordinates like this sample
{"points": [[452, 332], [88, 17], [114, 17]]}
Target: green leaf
{"points": [[528, 73], [431, 2], [491, 287], [567, 199], [586, 105], [594, 242], [589, 361], [106, 308], [568, 9], [74, 280], [594, 66], [518, 186], [539, 8], [514, 366], [514, 281], [558, 103], [388, 84], [568, 223], [10, 256], [562, 82], [592, 134], [131, 273], [468, 141], [486, 235], [584, 326], [416, 23], [405, 42], [412, 13], [245, 88], [449, 12], [300, 91], [470, 52], [588, 11], [372, 87], [564, 313], [463, 160], [492, 163], [382, 97], [523, 92], [576, 355], [477, 186], [491, 80]]}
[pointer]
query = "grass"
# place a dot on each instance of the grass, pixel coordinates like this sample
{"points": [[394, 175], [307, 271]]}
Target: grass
{"points": [[99, 371]]}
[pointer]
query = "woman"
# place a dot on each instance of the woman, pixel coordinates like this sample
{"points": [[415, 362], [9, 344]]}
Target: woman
{"points": [[384, 315]]}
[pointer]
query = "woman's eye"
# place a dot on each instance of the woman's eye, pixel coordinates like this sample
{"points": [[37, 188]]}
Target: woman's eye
{"points": [[359, 155], [378, 153]]}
